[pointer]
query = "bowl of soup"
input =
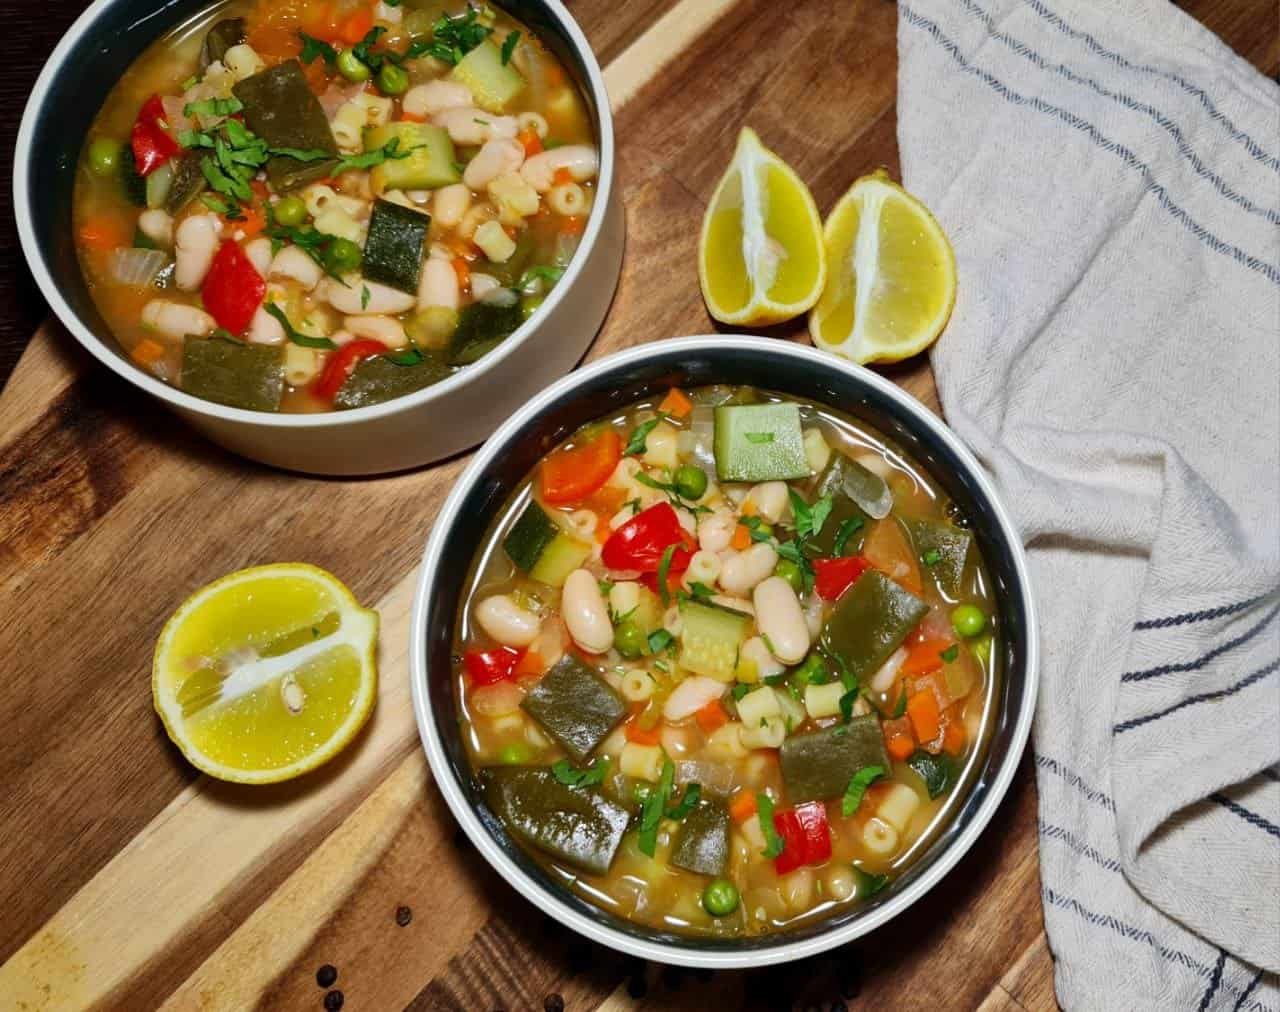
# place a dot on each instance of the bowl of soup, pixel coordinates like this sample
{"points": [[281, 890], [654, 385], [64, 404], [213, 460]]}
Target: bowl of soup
{"points": [[336, 236], [723, 651]]}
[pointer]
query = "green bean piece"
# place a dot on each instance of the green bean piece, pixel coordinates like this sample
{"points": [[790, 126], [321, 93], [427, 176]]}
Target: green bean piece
{"points": [[104, 157]]}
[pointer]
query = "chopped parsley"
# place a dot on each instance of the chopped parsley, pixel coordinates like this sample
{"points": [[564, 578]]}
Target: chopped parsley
{"points": [[211, 108], [305, 340], [810, 519], [364, 296], [660, 640], [568, 775], [868, 884], [540, 272], [932, 557], [858, 785], [692, 793], [636, 444], [655, 805], [951, 653], [844, 532], [509, 47], [313, 48], [739, 690], [759, 437], [451, 38], [664, 567], [773, 843]]}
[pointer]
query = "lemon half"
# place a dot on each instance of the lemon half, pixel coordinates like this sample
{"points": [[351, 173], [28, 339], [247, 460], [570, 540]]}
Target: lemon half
{"points": [[892, 281], [266, 673], [760, 256]]}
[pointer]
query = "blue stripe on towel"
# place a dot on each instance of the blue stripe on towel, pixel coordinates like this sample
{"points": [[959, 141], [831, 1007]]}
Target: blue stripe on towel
{"points": [[1200, 662], [1214, 981], [1163, 121], [1271, 161], [1268, 271], [1253, 818], [1055, 767], [1186, 618], [1051, 832], [1257, 977], [1202, 697]]}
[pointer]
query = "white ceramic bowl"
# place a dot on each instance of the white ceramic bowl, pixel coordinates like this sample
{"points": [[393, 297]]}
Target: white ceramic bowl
{"points": [[407, 432], [605, 387]]}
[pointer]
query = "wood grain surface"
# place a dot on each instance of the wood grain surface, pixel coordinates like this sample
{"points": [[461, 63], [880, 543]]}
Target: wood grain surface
{"points": [[128, 881]]}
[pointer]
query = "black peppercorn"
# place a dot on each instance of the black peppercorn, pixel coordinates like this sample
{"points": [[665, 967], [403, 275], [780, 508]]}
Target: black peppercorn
{"points": [[403, 916], [326, 975], [553, 1003], [333, 1000]]}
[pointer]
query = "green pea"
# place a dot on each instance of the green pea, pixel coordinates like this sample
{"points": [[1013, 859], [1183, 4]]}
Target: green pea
{"points": [[515, 754], [690, 482], [351, 67], [812, 671], [629, 640], [290, 211], [790, 572], [104, 157], [343, 255], [392, 80], [720, 897], [968, 620]]}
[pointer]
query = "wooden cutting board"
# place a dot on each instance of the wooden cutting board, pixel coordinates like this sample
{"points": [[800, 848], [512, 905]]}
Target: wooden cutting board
{"points": [[127, 881]]}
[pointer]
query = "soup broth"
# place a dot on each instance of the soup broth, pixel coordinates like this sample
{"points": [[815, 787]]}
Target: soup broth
{"points": [[726, 662], [303, 205]]}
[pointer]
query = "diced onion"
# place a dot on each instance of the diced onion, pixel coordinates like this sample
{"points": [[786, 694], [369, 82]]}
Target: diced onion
{"points": [[701, 441], [882, 680], [136, 267]]}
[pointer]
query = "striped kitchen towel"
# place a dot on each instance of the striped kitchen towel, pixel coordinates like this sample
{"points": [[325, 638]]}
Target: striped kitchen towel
{"points": [[1109, 172]]}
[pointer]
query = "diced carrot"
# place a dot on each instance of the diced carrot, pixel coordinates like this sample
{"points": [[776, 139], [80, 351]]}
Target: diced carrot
{"points": [[953, 735], [531, 665], [711, 716], [643, 735], [570, 475], [606, 501], [463, 248], [742, 805], [676, 404], [463, 270], [898, 738], [934, 682], [530, 141], [147, 351], [922, 709], [741, 538], [561, 176], [104, 232], [412, 117], [574, 225], [356, 25], [923, 658]]}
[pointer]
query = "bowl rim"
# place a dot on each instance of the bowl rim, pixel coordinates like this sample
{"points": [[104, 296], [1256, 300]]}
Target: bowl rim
{"points": [[545, 899], [24, 184]]}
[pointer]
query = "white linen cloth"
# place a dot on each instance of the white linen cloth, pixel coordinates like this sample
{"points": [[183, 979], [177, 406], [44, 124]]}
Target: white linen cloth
{"points": [[1109, 173]]}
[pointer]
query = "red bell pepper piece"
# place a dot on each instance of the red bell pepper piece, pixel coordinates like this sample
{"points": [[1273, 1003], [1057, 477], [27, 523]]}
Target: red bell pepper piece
{"points": [[233, 288], [152, 144], [567, 476], [805, 834], [342, 363], [641, 542], [488, 666], [832, 577]]}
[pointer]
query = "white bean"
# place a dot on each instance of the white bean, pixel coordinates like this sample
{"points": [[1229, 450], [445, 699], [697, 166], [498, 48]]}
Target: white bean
{"points": [[741, 572], [470, 126], [291, 262], [495, 158], [798, 890], [176, 319], [568, 199], [259, 253], [767, 666], [379, 328], [506, 621], [770, 500], [580, 160], [585, 614], [197, 242], [781, 620], [716, 530], [425, 100], [482, 285], [265, 328], [349, 297], [157, 226], [839, 882], [243, 61], [438, 285], [691, 695], [450, 203]]}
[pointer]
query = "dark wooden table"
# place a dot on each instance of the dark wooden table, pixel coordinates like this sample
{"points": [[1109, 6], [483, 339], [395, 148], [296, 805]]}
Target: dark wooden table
{"points": [[128, 881]]}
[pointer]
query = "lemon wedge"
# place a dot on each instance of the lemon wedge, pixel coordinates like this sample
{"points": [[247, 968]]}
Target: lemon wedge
{"points": [[760, 257], [266, 673], [892, 280]]}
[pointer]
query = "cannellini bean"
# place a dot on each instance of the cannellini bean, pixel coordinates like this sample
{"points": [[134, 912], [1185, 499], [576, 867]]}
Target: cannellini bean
{"points": [[580, 160], [798, 890], [781, 620], [766, 665], [568, 199], [506, 621], [715, 531], [534, 121], [704, 567], [483, 284], [450, 203], [879, 838], [259, 253], [438, 285], [380, 328], [243, 61], [637, 686], [265, 328], [741, 572], [341, 337], [813, 616], [692, 695], [643, 762], [897, 806], [660, 446], [349, 297], [157, 226], [197, 242], [838, 879], [470, 126], [497, 157], [176, 319], [883, 678], [585, 614], [770, 500], [425, 100], [292, 263]]}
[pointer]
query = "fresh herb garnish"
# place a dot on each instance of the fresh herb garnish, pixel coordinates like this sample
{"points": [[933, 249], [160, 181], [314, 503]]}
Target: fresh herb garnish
{"points": [[756, 528], [692, 793], [297, 338], [451, 38], [509, 47], [190, 82], [364, 296], [810, 519], [932, 557], [660, 640], [404, 356], [773, 843], [568, 775], [951, 653], [220, 205], [900, 707], [759, 437], [313, 48], [937, 771], [847, 700], [868, 884], [844, 532], [210, 108], [636, 444], [540, 272], [663, 568], [655, 804], [699, 591], [858, 787], [738, 691]]}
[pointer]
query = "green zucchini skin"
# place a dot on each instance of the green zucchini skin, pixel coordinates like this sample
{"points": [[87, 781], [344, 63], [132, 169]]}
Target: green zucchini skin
{"points": [[239, 375], [481, 328], [280, 108], [703, 846], [870, 621], [395, 244], [818, 765], [759, 442], [578, 826], [575, 706], [133, 184], [379, 379], [529, 536], [952, 546], [188, 181]]}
